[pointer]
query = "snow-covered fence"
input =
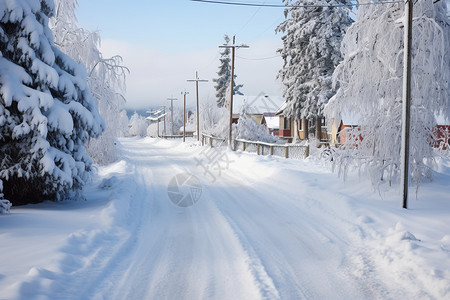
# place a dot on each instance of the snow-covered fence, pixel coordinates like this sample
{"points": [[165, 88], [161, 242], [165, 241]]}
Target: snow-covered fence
{"points": [[213, 141], [177, 136], [281, 150], [260, 148]]}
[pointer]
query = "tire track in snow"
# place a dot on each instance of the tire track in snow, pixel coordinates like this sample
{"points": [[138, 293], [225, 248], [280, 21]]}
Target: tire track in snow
{"points": [[182, 253], [298, 249]]}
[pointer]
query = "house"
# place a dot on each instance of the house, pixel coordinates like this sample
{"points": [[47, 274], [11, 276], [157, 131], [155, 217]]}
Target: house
{"points": [[288, 127], [340, 128], [256, 107], [272, 123]]}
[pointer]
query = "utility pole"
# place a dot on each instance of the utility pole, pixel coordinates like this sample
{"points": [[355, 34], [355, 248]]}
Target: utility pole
{"points": [[406, 103], [233, 50], [164, 120], [157, 134], [171, 109], [196, 80], [184, 115]]}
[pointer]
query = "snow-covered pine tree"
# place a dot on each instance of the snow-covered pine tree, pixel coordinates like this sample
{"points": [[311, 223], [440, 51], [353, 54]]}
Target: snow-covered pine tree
{"points": [[223, 82], [47, 112], [370, 79], [106, 76], [311, 51]]}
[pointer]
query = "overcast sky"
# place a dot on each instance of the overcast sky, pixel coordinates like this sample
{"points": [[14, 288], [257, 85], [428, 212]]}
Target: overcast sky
{"points": [[165, 42]]}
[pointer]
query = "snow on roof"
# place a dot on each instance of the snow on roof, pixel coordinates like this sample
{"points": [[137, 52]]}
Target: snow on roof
{"points": [[190, 127], [281, 108], [262, 103], [156, 118], [349, 119], [442, 120], [273, 122]]}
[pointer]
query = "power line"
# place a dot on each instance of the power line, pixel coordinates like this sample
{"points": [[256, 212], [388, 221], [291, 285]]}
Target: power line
{"points": [[263, 58], [296, 5], [250, 19]]}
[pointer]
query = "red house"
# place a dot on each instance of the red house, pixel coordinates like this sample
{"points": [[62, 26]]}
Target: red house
{"points": [[441, 137]]}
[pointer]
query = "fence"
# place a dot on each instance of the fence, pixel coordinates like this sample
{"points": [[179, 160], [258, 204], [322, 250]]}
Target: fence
{"points": [[281, 150], [213, 141], [177, 136]]}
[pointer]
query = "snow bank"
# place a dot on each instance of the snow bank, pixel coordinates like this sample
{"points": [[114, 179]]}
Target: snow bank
{"points": [[68, 238]]}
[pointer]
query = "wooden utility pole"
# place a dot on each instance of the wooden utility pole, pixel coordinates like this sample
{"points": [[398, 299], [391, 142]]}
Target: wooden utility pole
{"points": [[196, 80], [158, 129], [184, 116], [406, 100], [171, 109], [233, 50], [164, 121]]}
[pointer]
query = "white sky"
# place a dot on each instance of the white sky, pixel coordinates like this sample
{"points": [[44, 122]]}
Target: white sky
{"points": [[165, 42]]}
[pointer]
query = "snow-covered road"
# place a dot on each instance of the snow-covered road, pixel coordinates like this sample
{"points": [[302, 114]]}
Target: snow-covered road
{"points": [[250, 236], [263, 228]]}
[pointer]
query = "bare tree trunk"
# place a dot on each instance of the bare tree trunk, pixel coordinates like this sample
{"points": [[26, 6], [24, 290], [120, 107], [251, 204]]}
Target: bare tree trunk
{"points": [[295, 139], [318, 129], [305, 128]]}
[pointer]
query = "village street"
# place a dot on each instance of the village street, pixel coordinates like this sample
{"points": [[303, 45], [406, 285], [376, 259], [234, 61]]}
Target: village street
{"points": [[257, 228]]}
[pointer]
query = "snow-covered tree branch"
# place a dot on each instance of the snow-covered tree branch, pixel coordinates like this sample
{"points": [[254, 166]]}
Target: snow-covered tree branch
{"points": [[311, 51], [47, 113], [106, 76], [370, 83]]}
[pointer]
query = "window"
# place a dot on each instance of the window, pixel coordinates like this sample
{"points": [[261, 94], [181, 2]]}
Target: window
{"points": [[287, 123]]}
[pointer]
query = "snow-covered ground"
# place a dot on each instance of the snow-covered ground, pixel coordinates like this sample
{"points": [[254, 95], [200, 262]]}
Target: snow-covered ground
{"points": [[263, 228]]}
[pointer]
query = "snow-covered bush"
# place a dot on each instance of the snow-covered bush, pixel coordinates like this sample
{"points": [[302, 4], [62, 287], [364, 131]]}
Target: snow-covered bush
{"points": [[248, 129], [177, 121], [106, 76], [138, 125], [5, 205], [214, 120], [47, 113], [152, 129], [370, 79]]}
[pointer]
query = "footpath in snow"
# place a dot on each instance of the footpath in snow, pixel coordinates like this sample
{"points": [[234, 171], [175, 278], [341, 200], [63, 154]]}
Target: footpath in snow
{"points": [[245, 227]]}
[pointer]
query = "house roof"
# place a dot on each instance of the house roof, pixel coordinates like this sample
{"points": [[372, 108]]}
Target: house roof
{"points": [[273, 122], [260, 104], [442, 120], [350, 119], [190, 127], [281, 108]]}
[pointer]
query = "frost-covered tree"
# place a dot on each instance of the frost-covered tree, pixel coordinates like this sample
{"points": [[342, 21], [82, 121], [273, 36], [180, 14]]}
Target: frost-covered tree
{"points": [[370, 81], [47, 113], [248, 129], [106, 76], [311, 50], [223, 82], [214, 120], [138, 125]]}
